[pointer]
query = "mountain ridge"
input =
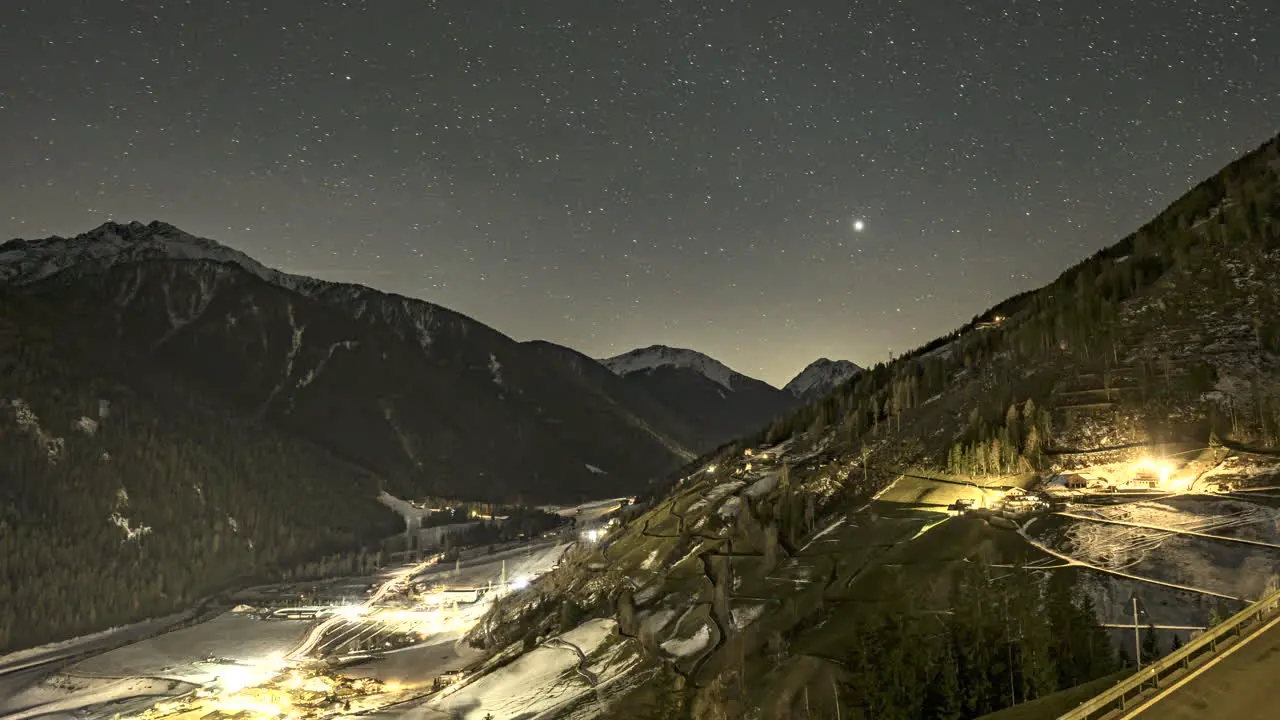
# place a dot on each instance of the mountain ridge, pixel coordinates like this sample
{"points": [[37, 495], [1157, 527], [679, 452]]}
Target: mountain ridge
{"points": [[665, 356], [820, 377], [680, 427], [722, 402]]}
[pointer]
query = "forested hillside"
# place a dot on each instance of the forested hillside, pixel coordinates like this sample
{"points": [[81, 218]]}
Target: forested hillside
{"points": [[433, 401], [1208, 263], [122, 496], [814, 568]]}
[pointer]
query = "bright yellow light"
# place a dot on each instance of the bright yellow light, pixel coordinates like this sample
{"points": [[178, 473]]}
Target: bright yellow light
{"points": [[236, 678], [1161, 469], [352, 612]]}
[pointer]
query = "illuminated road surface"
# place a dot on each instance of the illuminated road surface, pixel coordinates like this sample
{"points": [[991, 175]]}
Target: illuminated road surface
{"points": [[1241, 686]]}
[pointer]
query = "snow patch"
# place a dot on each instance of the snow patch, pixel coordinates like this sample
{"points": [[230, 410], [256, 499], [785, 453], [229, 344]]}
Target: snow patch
{"points": [[764, 485], [30, 424], [130, 532], [314, 372], [821, 376], [744, 616], [595, 470], [656, 621], [824, 531], [495, 370], [684, 647], [648, 593], [295, 343], [68, 696], [730, 507], [661, 356], [536, 684], [717, 493]]}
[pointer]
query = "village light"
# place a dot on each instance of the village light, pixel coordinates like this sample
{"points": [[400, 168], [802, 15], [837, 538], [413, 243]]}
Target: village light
{"points": [[1159, 469], [352, 612]]}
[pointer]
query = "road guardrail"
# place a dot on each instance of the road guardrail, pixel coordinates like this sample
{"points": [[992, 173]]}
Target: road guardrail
{"points": [[1150, 676]]}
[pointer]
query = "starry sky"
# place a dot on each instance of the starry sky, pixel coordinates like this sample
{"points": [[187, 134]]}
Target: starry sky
{"points": [[616, 173]]}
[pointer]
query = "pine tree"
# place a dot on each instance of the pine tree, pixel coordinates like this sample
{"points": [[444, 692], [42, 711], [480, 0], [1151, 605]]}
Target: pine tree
{"points": [[943, 695], [1150, 645]]}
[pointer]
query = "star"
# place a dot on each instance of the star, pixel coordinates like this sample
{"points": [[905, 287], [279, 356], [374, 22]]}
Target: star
{"points": [[614, 175]]}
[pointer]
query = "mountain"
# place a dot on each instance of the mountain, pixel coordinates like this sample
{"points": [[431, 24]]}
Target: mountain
{"points": [[824, 567], [430, 399], [821, 377], [682, 433], [719, 403], [125, 495]]}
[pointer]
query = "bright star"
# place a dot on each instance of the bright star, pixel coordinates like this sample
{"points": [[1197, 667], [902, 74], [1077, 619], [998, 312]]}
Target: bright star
{"points": [[858, 225]]}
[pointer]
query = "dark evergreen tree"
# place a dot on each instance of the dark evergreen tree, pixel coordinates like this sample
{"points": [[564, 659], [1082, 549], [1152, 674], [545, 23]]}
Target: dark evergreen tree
{"points": [[1150, 645]]}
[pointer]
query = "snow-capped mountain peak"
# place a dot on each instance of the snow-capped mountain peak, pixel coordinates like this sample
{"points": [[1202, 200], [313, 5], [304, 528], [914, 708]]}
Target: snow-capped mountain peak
{"points": [[659, 356], [28, 261], [821, 376]]}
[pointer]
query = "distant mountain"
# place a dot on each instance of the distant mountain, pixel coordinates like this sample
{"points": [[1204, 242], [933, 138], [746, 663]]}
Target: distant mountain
{"points": [[721, 404], [821, 377], [430, 399]]}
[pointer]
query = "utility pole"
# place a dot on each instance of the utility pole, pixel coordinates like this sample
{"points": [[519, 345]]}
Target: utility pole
{"points": [[1137, 645]]}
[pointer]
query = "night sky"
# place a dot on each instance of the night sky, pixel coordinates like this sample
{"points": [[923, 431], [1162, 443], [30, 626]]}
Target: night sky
{"points": [[611, 174]]}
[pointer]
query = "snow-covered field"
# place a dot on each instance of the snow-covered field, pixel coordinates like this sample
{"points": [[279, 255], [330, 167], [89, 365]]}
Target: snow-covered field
{"points": [[1150, 549], [83, 698], [167, 665], [179, 654], [1226, 517], [528, 562], [420, 663]]}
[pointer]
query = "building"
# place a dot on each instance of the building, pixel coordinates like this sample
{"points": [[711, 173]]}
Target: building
{"points": [[1076, 482], [449, 677], [1146, 479]]}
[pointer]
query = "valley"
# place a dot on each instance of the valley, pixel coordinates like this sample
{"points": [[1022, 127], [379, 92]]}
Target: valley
{"points": [[358, 643], [395, 644], [444, 360], [1065, 489]]}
